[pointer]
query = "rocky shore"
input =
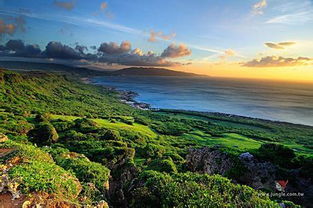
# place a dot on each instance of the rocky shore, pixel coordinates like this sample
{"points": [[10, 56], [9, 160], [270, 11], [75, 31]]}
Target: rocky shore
{"points": [[128, 97]]}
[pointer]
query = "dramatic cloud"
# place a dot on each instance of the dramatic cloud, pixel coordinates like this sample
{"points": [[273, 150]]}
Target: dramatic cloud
{"points": [[114, 48], [58, 50], [80, 48], [258, 8], [122, 54], [137, 51], [11, 27], [109, 53], [278, 61], [19, 49], [137, 59], [68, 5], [154, 36], [281, 45], [175, 51]]}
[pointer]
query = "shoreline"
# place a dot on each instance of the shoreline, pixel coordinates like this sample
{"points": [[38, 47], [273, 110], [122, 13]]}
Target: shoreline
{"points": [[128, 97]]}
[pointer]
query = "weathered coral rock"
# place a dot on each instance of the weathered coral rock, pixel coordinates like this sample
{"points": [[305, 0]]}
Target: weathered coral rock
{"points": [[209, 160], [213, 161]]}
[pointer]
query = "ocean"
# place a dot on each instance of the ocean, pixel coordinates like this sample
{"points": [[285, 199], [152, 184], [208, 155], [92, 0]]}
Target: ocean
{"points": [[279, 101]]}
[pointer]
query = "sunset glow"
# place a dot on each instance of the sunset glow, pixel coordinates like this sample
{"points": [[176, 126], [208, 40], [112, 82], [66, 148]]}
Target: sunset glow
{"points": [[260, 39]]}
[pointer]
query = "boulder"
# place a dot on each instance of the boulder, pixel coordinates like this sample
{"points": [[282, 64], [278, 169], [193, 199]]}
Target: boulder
{"points": [[258, 175], [209, 160]]}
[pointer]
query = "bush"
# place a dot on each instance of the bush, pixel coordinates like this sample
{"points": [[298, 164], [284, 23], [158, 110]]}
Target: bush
{"points": [[111, 135], [163, 165], [195, 190], [170, 128], [44, 134], [277, 154], [60, 125], [43, 117], [38, 176], [85, 170], [151, 151], [26, 152], [85, 125]]}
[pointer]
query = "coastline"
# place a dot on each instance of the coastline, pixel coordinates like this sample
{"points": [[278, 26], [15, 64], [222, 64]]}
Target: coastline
{"points": [[129, 97], [125, 96]]}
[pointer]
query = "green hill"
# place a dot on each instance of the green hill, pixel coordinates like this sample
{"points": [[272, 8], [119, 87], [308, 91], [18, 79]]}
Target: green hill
{"points": [[73, 144]]}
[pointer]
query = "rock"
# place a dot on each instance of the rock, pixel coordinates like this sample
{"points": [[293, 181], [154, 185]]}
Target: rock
{"points": [[246, 156], [257, 174], [117, 192], [209, 160], [3, 138]]}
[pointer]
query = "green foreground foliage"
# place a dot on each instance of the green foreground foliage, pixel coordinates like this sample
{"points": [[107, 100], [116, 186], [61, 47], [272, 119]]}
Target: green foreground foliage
{"points": [[74, 138]]}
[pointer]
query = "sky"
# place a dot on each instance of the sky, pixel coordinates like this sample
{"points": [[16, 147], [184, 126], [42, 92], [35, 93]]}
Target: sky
{"points": [[263, 39]]}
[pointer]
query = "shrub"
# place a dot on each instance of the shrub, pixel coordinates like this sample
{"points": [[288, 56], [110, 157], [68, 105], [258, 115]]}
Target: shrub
{"points": [[85, 125], [170, 128], [44, 134], [26, 152], [151, 151], [60, 125], [163, 165], [276, 153], [111, 135], [43, 117], [85, 170], [196, 190], [38, 176]]}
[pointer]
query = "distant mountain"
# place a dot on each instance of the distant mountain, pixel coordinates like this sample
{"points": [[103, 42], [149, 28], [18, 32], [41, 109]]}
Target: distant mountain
{"points": [[50, 67], [143, 71], [82, 71]]}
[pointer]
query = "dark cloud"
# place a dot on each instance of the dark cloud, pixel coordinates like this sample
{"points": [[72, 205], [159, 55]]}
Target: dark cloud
{"points": [[58, 50], [12, 25], [93, 47], [135, 59], [19, 49], [175, 51], [281, 45], [15, 45], [109, 53], [82, 49], [68, 5], [114, 48], [278, 61]]}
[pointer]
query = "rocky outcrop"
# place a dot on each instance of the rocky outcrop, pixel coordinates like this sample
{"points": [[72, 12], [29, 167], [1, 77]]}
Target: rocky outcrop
{"points": [[257, 174], [209, 160], [117, 192]]}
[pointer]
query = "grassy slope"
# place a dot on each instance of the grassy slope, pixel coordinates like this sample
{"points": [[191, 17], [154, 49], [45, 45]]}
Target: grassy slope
{"points": [[23, 96]]}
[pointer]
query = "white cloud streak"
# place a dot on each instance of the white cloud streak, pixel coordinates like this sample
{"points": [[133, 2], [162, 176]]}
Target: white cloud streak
{"points": [[293, 13]]}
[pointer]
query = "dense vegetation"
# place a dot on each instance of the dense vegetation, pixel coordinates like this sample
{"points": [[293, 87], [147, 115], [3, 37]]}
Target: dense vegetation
{"points": [[79, 143]]}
